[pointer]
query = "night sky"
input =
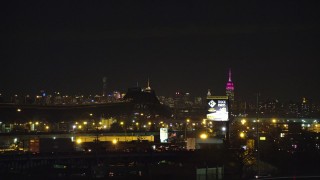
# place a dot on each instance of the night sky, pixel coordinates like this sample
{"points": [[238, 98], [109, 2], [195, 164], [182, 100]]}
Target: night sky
{"points": [[272, 47]]}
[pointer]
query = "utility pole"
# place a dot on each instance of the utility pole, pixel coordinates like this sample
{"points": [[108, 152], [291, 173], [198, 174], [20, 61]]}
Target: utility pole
{"points": [[185, 132], [258, 136]]}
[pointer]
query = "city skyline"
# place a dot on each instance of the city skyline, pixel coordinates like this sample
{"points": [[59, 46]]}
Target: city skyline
{"points": [[271, 48]]}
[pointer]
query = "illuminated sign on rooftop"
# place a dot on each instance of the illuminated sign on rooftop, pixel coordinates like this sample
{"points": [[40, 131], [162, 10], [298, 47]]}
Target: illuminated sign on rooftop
{"points": [[217, 108]]}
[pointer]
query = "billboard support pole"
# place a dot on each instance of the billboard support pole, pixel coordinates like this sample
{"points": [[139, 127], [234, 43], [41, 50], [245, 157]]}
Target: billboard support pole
{"points": [[228, 126], [227, 133]]}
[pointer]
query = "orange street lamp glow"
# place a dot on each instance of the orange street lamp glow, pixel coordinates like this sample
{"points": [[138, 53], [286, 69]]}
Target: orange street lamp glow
{"points": [[203, 136], [242, 134], [114, 141]]}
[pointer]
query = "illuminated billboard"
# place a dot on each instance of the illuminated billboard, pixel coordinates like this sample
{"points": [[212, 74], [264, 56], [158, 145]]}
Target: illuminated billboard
{"points": [[217, 108], [163, 135]]}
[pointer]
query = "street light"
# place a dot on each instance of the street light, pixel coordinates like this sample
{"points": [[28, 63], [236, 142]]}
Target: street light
{"points": [[185, 129], [242, 135], [203, 136], [125, 130], [79, 141], [114, 142]]}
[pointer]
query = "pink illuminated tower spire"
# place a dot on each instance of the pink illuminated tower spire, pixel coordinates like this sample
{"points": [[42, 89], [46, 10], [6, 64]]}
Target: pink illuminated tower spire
{"points": [[230, 88]]}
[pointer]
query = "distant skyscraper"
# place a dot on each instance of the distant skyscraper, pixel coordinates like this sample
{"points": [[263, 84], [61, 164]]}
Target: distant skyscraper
{"points": [[230, 88], [209, 92], [104, 88], [148, 88]]}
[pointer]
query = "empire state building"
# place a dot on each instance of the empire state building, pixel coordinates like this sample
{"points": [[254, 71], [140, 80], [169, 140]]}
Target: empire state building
{"points": [[230, 88]]}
